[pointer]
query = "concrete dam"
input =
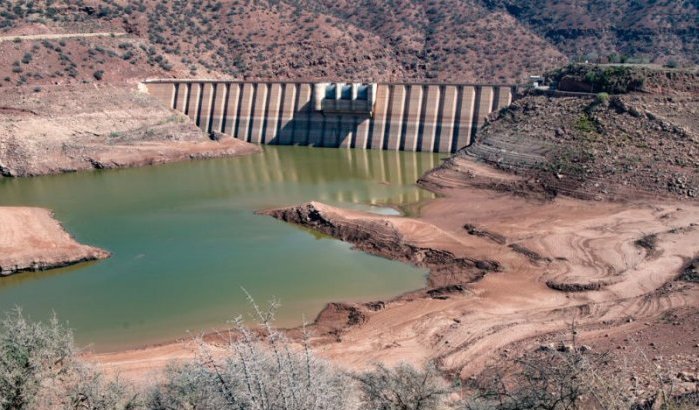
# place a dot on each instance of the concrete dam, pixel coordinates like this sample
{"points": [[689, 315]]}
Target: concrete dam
{"points": [[408, 117]]}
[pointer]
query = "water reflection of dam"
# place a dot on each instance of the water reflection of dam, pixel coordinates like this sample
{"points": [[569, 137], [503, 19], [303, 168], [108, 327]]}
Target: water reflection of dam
{"points": [[269, 174], [184, 239], [405, 117]]}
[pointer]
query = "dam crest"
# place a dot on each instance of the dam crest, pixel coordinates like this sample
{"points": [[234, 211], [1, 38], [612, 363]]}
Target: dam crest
{"points": [[385, 116]]}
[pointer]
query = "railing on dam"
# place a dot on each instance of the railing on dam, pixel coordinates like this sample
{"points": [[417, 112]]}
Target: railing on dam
{"points": [[409, 117]]}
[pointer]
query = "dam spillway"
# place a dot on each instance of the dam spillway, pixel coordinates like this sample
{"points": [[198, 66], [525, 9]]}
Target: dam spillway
{"points": [[395, 116]]}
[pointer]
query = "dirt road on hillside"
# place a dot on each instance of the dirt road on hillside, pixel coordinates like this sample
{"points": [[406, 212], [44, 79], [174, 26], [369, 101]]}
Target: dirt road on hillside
{"points": [[59, 36]]}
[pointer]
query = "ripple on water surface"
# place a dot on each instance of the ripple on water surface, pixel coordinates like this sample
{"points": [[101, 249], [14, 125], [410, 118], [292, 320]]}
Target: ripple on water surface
{"points": [[185, 240]]}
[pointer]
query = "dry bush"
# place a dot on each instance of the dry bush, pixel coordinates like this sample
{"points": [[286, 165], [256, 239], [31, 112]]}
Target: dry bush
{"points": [[259, 368], [254, 370], [568, 376], [39, 370], [403, 388], [549, 380]]}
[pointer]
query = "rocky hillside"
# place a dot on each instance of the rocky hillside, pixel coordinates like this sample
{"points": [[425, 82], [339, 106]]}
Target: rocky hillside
{"points": [[616, 30], [462, 40], [282, 40], [644, 142]]}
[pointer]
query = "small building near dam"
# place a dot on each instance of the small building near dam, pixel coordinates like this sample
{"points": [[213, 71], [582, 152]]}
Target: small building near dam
{"points": [[389, 116]]}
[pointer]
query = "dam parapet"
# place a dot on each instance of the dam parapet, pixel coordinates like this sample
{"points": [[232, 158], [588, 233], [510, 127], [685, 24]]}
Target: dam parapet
{"points": [[395, 116]]}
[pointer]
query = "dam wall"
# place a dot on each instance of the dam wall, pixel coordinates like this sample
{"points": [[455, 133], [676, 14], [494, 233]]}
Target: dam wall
{"points": [[406, 116]]}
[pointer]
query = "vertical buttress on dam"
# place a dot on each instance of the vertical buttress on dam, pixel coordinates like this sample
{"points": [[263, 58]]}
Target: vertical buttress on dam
{"points": [[408, 117]]}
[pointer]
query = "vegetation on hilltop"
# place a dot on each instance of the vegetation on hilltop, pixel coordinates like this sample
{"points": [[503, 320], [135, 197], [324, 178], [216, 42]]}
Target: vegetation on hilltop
{"points": [[312, 39], [480, 40], [615, 79], [613, 31]]}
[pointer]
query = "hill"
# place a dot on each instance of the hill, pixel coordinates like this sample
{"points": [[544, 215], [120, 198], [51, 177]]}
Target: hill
{"points": [[641, 141], [498, 41], [613, 30]]}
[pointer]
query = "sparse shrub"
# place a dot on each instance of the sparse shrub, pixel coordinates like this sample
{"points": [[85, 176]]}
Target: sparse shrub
{"points": [[39, 370], [33, 355], [260, 370], [554, 378], [602, 98], [585, 124], [672, 63], [27, 58], [402, 388], [99, 74]]}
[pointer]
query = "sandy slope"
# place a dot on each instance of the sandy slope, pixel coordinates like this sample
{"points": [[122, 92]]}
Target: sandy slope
{"points": [[584, 241], [30, 239], [65, 129], [537, 243]]}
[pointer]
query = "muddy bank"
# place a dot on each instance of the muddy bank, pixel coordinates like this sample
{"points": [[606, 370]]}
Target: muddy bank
{"points": [[76, 128], [402, 239], [31, 240]]}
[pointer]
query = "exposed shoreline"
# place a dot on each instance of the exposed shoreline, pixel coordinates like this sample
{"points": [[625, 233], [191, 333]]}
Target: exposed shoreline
{"points": [[461, 318], [32, 240], [80, 128]]}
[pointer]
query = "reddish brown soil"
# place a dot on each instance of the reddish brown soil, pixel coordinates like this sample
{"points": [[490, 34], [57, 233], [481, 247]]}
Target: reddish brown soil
{"points": [[491, 41], [645, 354]]}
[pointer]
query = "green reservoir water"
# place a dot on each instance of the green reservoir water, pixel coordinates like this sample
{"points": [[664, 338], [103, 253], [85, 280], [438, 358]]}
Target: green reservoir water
{"points": [[185, 240]]}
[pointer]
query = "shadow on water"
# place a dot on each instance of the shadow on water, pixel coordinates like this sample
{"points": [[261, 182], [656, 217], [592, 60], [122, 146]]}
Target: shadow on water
{"points": [[28, 276]]}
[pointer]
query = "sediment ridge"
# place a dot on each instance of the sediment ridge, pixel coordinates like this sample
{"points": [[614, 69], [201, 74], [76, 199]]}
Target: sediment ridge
{"points": [[32, 240], [402, 239]]}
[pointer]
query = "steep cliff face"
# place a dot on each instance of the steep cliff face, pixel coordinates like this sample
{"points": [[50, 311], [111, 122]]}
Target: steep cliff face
{"points": [[616, 147]]}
